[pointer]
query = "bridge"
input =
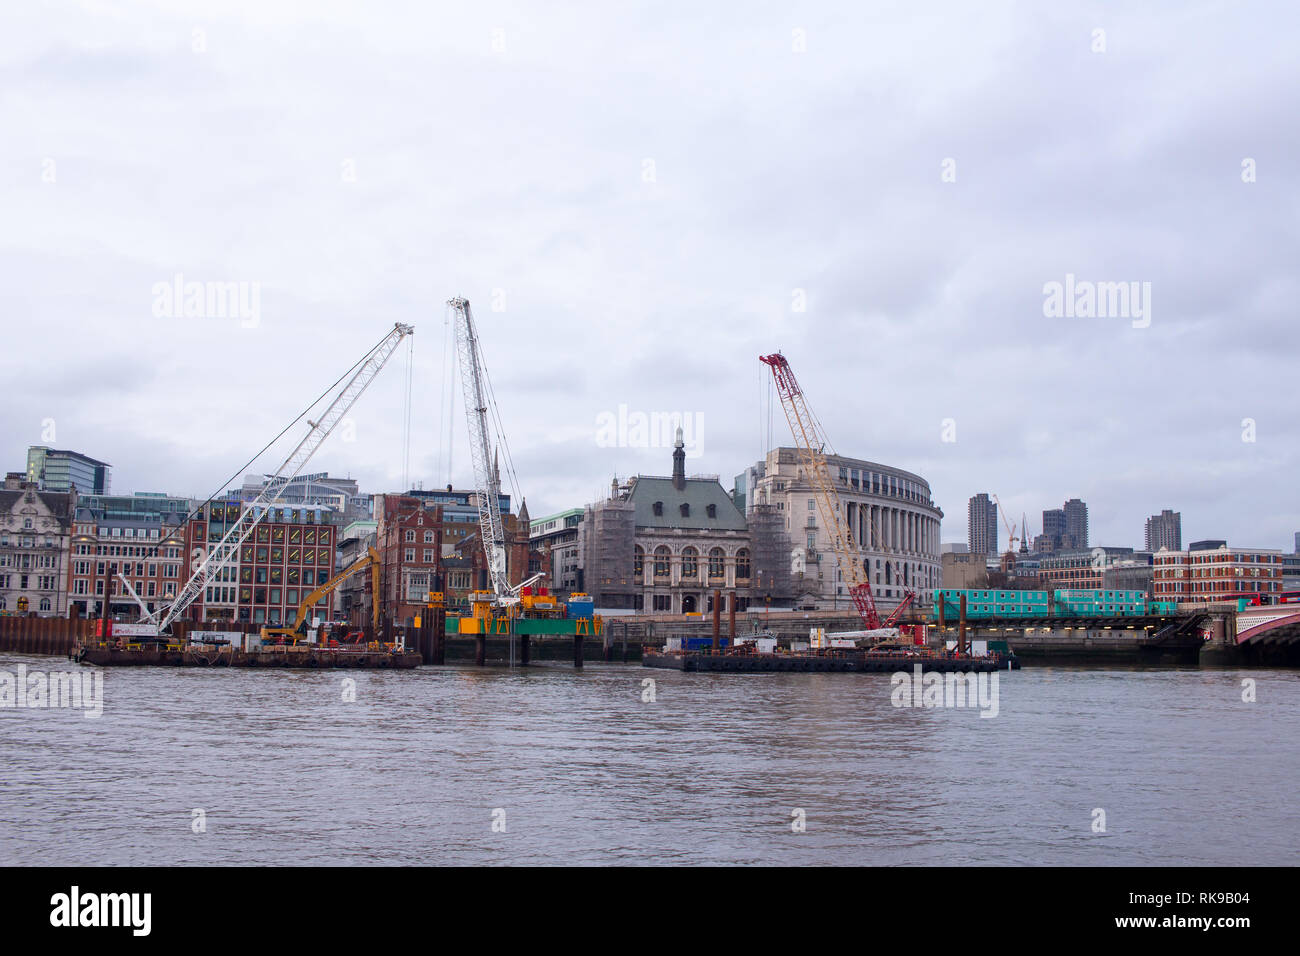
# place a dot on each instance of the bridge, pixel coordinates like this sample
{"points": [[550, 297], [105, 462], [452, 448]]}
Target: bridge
{"points": [[1276, 624]]}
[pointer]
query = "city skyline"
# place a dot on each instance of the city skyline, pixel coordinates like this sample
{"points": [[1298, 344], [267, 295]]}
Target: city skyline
{"points": [[924, 245], [236, 491]]}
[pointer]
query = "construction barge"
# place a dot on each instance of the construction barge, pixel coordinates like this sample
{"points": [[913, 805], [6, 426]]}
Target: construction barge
{"points": [[739, 661], [308, 656]]}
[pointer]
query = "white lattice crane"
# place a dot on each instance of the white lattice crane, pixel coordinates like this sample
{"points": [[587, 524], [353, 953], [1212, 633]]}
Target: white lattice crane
{"points": [[487, 475], [223, 552]]}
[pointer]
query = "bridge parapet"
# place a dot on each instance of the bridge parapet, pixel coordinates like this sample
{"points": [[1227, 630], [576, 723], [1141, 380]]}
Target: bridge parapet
{"points": [[1278, 623]]}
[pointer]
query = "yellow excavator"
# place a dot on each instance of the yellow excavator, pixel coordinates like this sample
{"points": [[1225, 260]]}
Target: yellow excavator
{"points": [[299, 629]]}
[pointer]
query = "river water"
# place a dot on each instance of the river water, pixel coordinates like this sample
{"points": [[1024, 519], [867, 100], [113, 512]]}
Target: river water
{"points": [[555, 766]]}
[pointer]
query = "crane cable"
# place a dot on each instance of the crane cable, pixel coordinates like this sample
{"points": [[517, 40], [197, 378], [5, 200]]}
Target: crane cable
{"points": [[447, 397], [226, 484], [406, 420], [500, 430]]}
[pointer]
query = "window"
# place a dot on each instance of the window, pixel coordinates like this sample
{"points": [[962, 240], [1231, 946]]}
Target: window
{"points": [[690, 564], [742, 564], [686, 510], [428, 555], [717, 564], [408, 554], [410, 535], [659, 508], [428, 537], [638, 563], [662, 561]]}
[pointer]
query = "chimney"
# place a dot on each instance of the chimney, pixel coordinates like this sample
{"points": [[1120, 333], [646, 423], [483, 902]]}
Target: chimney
{"points": [[679, 462]]}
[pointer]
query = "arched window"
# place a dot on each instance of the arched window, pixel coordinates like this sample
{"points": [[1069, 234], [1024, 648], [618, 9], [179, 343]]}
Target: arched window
{"points": [[742, 564], [4, 605], [662, 561], [690, 564], [638, 563], [717, 564], [45, 604]]}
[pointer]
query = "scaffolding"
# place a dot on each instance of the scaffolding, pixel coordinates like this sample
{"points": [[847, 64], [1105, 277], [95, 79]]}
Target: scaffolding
{"points": [[607, 534], [771, 547]]}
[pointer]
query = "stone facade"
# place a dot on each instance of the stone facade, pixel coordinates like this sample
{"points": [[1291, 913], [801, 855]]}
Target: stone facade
{"points": [[889, 511], [35, 528]]}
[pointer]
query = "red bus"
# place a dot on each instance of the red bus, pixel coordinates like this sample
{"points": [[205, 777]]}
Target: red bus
{"points": [[1244, 598]]}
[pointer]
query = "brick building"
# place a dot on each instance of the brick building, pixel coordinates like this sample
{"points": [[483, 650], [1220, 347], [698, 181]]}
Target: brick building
{"points": [[1209, 574], [429, 541], [147, 548], [1083, 568], [408, 536], [290, 553]]}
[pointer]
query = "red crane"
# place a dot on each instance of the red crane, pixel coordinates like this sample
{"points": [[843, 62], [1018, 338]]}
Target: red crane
{"points": [[810, 443]]}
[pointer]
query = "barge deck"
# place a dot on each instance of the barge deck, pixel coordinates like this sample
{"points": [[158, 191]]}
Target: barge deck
{"points": [[861, 662], [308, 657]]}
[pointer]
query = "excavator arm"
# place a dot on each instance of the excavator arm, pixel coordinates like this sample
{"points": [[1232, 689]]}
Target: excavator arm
{"points": [[368, 560]]}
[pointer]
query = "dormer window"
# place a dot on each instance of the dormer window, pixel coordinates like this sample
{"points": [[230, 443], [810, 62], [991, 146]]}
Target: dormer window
{"points": [[686, 510], [659, 508], [712, 511]]}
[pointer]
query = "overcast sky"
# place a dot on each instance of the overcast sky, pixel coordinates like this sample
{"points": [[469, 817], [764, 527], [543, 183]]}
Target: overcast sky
{"points": [[647, 194]]}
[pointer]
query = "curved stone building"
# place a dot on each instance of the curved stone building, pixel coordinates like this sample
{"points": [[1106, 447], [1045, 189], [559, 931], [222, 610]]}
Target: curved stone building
{"points": [[890, 511]]}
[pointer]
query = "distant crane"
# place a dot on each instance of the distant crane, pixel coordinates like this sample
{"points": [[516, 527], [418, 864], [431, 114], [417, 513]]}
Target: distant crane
{"points": [[1012, 538]]}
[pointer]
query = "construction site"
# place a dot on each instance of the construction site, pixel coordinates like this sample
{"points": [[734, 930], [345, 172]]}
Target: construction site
{"points": [[657, 549], [188, 630]]}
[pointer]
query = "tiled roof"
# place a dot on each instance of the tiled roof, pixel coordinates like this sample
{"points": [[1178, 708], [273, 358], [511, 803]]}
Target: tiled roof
{"points": [[59, 504], [699, 493]]}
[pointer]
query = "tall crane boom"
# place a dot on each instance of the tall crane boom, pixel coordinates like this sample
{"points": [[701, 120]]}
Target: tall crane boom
{"points": [[810, 443], [1012, 537], [224, 551], [487, 480]]}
